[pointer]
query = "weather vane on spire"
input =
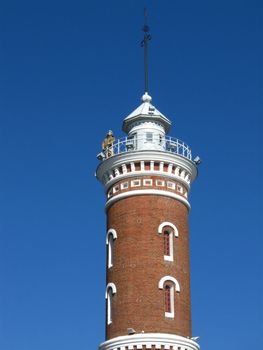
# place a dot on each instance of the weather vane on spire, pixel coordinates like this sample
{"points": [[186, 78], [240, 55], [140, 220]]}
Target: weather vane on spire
{"points": [[144, 43]]}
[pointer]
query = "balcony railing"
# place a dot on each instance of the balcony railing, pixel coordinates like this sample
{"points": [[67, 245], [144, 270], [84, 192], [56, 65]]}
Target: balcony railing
{"points": [[164, 144]]}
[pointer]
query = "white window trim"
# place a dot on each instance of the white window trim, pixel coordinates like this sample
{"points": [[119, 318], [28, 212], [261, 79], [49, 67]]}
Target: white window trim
{"points": [[147, 180], [135, 185], [167, 279], [110, 291], [167, 223], [160, 181], [174, 287], [110, 233], [116, 188], [180, 188], [171, 185], [124, 185]]}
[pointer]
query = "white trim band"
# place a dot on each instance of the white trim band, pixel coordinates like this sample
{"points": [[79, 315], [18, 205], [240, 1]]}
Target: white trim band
{"points": [[149, 340], [139, 173], [146, 192]]}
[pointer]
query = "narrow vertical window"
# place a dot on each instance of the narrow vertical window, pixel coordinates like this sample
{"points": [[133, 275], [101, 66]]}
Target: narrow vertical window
{"points": [[167, 298], [109, 306], [166, 243], [169, 285], [110, 291], [168, 231], [110, 238], [110, 251]]}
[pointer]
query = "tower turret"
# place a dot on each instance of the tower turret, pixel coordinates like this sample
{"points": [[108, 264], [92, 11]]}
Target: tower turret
{"points": [[147, 178], [146, 126]]}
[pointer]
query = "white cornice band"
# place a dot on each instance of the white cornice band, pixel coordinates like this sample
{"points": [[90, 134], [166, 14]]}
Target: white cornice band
{"points": [[149, 340], [137, 156], [145, 173], [146, 192]]}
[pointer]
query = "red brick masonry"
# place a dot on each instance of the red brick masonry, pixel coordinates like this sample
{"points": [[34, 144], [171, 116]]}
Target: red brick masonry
{"points": [[139, 265]]}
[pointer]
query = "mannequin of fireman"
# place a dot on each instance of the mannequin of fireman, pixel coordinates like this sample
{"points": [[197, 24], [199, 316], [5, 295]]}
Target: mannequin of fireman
{"points": [[107, 144]]}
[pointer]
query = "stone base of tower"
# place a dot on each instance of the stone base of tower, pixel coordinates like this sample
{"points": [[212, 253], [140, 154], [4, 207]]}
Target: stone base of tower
{"points": [[151, 341]]}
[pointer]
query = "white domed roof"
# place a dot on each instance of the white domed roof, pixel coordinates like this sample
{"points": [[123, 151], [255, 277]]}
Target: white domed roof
{"points": [[146, 111]]}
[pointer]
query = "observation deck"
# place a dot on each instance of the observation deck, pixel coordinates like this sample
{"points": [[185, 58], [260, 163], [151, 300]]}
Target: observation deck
{"points": [[128, 144]]}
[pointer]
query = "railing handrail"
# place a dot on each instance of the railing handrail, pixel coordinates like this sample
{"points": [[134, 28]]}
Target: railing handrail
{"points": [[170, 144]]}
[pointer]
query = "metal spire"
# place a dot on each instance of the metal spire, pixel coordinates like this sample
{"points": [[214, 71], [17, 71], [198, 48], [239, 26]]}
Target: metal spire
{"points": [[144, 44]]}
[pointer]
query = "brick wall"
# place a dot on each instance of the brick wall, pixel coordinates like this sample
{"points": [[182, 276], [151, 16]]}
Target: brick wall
{"points": [[139, 265]]}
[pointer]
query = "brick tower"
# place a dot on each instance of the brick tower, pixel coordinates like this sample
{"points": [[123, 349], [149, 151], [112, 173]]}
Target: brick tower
{"points": [[147, 177]]}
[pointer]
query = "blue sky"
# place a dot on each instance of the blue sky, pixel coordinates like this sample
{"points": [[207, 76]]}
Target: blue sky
{"points": [[71, 71]]}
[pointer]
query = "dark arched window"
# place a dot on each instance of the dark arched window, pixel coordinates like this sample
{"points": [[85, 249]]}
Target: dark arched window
{"points": [[170, 287], [110, 237], [168, 231], [110, 291]]}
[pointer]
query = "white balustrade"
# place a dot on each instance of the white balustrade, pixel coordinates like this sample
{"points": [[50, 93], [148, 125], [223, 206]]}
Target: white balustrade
{"points": [[170, 144]]}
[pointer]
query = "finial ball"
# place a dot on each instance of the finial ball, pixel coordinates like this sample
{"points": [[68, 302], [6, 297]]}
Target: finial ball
{"points": [[146, 98]]}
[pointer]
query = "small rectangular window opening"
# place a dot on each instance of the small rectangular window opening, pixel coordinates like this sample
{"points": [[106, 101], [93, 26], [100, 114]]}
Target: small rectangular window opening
{"points": [[149, 136], [124, 185], [179, 188], [136, 183], [171, 185], [116, 189], [147, 182]]}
